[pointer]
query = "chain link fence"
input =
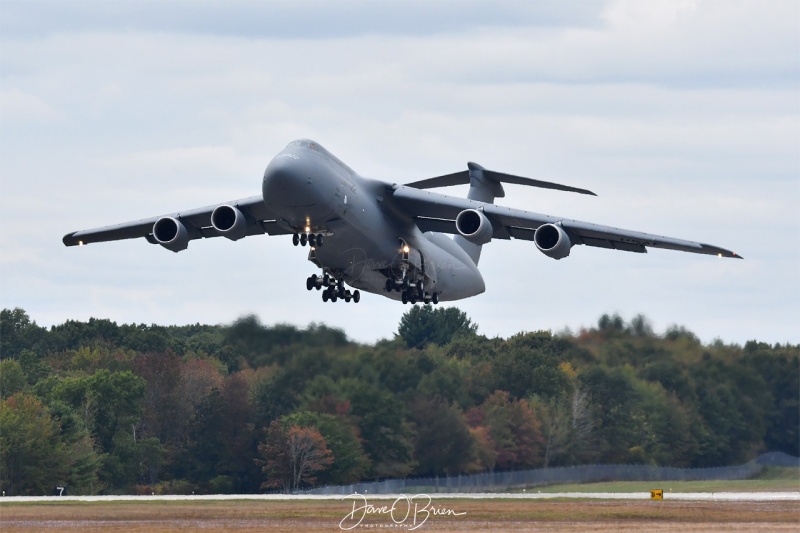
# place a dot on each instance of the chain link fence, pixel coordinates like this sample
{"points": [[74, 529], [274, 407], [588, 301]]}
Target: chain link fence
{"points": [[499, 481]]}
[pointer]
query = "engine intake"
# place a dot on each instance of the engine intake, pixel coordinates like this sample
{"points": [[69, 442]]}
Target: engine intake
{"points": [[474, 226], [171, 234], [229, 222], [552, 241]]}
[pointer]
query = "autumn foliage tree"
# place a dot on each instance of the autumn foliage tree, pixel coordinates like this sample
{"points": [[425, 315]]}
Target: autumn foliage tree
{"points": [[290, 457], [135, 408]]}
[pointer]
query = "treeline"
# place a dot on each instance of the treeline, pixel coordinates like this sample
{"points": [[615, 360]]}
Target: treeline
{"points": [[242, 408]]}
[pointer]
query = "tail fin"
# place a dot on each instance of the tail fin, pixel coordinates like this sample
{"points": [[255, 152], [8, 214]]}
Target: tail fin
{"points": [[484, 186]]}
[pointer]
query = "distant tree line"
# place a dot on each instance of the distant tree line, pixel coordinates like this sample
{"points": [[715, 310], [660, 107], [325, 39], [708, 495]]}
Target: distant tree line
{"points": [[105, 408]]}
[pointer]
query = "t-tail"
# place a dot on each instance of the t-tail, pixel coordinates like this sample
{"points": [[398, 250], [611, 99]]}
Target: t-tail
{"points": [[484, 186]]}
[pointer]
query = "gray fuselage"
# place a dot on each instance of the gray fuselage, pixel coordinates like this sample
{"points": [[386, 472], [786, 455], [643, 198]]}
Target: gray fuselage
{"points": [[311, 191]]}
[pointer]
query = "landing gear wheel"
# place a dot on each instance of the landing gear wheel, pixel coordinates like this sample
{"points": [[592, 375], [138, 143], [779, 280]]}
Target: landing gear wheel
{"points": [[324, 296], [326, 280], [320, 240], [334, 297], [347, 297], [311, 282], [389, 285], [404, 297], [356, 296], [312, 240], [420, 286], [435, 298], [303, 239], [295, 239]]}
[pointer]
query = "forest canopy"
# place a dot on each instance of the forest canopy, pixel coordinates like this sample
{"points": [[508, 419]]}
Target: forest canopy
{"points": [[246, 407]]}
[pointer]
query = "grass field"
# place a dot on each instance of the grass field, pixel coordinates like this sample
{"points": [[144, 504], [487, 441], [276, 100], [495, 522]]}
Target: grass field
{"points": [[444, 515], [772, 479]]}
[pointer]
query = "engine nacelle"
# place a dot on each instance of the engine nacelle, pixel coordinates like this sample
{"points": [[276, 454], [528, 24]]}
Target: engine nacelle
{"points": [[474, 226], [552, 241], [229, 222], [171, 234]]}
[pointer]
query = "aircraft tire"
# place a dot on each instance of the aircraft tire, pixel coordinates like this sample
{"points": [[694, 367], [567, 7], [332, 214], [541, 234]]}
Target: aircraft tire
{"points": [[295, 239], [320, 240], [324, 296], [435, 298], [310, 283], [389, 285], [303, 239], [404, 297], [312, 240], [356, 296]]}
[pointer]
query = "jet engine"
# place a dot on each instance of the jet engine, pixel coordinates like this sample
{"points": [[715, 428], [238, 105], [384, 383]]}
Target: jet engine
{"points": [[229, 222], [552, 241], [171, 234], [474, 226]]}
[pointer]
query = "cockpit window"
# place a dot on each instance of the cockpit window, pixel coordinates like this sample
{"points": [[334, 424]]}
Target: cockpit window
{"points": [[305, 143]]}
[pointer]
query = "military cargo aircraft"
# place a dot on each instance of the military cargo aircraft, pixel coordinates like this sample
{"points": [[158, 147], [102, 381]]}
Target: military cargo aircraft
{"points": [[384, 238]]}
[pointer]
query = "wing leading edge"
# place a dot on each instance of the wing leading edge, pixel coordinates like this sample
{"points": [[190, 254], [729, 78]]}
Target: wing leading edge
{"points": [[436, 212], [196, 221]]}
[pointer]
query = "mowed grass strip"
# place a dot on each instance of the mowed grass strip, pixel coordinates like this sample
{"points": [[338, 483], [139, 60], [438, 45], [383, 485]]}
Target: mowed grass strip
{"points": [[325, 515], [772, 479]]}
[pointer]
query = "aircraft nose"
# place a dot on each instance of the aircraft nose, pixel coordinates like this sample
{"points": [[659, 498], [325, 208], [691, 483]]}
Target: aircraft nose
{"points": [[285, 183]]}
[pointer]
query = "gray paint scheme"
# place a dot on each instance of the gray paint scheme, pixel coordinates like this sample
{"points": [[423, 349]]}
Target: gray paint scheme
{"points": [[364, 222]]}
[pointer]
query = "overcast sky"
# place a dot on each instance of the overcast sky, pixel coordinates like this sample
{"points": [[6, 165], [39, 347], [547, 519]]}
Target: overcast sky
{"points": [[683, 116]]}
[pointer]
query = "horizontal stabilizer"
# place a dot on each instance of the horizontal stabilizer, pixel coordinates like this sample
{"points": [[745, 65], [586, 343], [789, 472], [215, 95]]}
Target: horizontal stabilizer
{"points": [[463, 178]]}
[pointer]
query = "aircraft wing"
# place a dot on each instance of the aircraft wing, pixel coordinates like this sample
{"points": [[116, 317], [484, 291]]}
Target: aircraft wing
{"points": [[197, 222], [437, 212]]}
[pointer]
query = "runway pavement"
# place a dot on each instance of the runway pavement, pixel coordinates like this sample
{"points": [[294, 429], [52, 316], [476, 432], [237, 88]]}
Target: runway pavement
{"points": [[686, 496]]}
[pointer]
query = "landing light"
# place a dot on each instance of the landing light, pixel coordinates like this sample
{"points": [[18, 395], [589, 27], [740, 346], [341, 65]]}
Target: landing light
{"points": [[308, 229], [80, 243], [406, 249], [719, 255]]}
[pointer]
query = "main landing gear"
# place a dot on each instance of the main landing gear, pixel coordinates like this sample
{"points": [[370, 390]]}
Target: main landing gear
{"points": [[411, 292], [316, 240], [334, 289]]}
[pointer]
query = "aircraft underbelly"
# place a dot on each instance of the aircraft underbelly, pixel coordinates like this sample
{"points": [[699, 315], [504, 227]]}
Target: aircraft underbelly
{"points": [[363, 262]]}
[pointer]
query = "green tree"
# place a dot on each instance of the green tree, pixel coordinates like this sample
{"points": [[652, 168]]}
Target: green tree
{"points": [[222, 438], [30, 452], [443, 444], [424, 324], [18, 332], [616, 412], [383, 422], [12, 378]]}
